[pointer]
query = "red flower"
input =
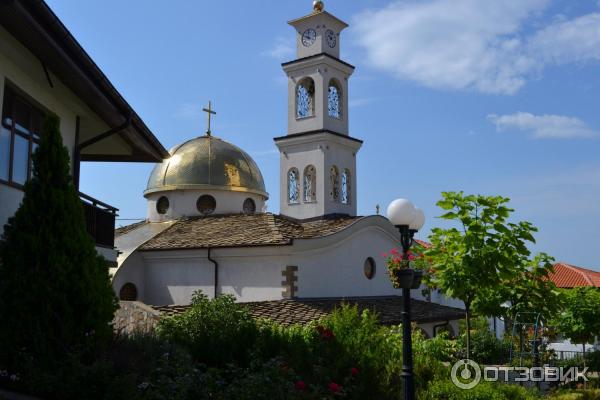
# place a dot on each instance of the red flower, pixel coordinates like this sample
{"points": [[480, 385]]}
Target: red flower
{"points": [[334, 387], [325, 333], [354, 371], [300, 386], [384, 255], [395, 252]]}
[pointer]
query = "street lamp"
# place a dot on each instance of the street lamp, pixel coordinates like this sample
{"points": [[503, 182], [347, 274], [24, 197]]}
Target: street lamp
{"points": [[408, 219]]}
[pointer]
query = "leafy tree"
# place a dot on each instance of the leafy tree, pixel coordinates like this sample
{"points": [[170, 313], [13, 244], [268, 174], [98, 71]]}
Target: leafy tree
{"points": [[580, 319], [484, 249], [529, 290], [55, 291]]}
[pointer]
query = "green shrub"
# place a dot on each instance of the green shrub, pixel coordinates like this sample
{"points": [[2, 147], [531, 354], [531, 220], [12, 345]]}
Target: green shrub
{"points": [[446, 390], [216, 331], [55, 292], [485, 347]]}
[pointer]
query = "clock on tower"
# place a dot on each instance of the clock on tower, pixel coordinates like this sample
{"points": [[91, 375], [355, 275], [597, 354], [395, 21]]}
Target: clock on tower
{"points": [[318, 156]]}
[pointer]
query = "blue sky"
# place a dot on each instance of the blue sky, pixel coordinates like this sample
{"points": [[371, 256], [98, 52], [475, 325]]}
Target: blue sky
{"points": [[477, 95]]}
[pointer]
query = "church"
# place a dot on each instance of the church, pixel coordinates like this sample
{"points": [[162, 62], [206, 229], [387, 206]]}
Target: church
{"points": [[207, 228]]}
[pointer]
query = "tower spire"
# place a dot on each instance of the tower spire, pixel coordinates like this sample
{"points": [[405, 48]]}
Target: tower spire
{"points": [[318, 5]]}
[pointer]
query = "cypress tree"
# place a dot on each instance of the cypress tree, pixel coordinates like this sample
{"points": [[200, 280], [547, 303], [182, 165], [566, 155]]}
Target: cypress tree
{"points": [[55, 290]]}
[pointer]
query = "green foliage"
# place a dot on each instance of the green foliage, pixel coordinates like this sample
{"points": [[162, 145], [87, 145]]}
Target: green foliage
{"points": [[446, 390], [471, 260], [55, 292], [577, 395], [215, 331], [580, 318], [485, 347]]}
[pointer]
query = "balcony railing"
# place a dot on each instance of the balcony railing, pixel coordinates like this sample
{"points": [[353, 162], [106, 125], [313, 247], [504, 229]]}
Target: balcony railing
{"points": [[100, 220]]}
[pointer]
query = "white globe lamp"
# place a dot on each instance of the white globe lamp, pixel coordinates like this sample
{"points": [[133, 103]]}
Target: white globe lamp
{"points": [[419, 220], [401, 212]]}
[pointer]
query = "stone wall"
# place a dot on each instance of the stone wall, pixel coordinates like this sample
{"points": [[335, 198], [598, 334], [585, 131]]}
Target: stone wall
{"points": [[135, 317]]}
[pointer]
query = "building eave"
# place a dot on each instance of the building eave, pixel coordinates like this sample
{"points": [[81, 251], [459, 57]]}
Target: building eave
{"points": [[36, 26]]}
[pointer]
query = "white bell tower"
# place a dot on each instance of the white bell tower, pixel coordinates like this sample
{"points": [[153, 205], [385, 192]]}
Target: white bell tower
{"points": [[318, 156]]}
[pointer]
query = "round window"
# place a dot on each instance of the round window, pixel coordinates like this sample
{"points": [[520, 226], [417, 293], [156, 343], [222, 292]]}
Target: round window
{"points": [[128, 292], [249, 206], [206, 204], [162, 205], [369, 268]]}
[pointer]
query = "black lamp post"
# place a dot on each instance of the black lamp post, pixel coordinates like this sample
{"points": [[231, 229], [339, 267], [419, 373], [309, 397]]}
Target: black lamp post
{"points": [[408, 219]]}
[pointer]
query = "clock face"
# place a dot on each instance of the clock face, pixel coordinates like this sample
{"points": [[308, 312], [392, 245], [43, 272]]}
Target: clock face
{"points": [[308, 37], [331, 38]]}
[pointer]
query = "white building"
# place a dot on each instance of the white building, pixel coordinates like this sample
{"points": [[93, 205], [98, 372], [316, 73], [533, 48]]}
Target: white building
{"points": [[206, 229], [43, 70]]}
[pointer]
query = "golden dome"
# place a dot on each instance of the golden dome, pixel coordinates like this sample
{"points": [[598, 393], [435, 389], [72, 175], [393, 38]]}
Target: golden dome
{"points": [[318, 5], [207, 163]]}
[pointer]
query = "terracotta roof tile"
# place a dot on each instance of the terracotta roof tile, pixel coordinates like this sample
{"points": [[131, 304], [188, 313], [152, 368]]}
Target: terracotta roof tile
{"points": [[303, 311], [242, 230], [570, 276]]}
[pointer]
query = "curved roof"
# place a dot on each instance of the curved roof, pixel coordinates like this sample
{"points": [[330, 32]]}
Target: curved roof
{"points": [[207, 162]]}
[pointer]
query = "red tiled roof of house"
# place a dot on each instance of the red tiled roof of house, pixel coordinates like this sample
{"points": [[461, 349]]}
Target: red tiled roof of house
{"points": [[423, 243], [570, 276]]}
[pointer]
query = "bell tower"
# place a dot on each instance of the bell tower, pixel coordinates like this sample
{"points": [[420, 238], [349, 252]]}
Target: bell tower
{"points": [[318, 156]]}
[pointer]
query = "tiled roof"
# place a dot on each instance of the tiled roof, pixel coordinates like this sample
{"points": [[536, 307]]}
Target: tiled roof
{"points": [[128, 228], [242, 230], [570, 276], [302, 311]]}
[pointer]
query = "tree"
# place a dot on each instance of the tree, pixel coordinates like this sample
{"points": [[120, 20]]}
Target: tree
{"points": [[529, 290], [580, 319], [483, 250], [55, 291]]}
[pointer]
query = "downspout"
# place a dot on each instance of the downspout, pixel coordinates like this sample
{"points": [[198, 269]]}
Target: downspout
{"points": [[216, 264], [436, 327]]}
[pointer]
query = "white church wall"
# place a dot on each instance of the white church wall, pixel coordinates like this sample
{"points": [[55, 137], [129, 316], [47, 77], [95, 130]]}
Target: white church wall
{"points": [[182, 203], [131, 271], [174, 279], [336, 269], [171, 277], [252, 274]]}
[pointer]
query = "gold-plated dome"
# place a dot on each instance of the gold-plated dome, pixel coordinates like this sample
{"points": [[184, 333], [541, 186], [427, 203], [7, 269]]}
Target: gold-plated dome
{"points": [[318, 5], [207, 163]]}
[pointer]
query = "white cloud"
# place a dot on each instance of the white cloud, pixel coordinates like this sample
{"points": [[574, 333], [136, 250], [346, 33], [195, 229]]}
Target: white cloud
{"points": [[574, 40], [282, 49], [543, 126], [472, 44]]}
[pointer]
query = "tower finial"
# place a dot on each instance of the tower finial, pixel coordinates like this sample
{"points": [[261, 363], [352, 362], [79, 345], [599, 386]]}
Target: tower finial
{"points": [[318, 5]]}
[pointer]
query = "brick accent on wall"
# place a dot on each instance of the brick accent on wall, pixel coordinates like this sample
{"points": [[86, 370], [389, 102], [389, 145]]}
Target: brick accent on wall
{"points": [[290, 289]]}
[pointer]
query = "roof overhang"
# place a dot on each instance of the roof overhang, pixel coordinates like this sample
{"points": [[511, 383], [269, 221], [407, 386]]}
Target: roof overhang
{"points": [[36, 26]]}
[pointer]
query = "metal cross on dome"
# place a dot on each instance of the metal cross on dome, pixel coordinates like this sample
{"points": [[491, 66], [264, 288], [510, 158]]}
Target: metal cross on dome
{"points": [[209, 112]]}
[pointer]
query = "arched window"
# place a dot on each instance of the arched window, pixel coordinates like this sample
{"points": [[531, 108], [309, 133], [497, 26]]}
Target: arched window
{"points": [[293, 186], [310, 184], [305, 96], [346, 187], [334, 178], [128, 292], [334, 99]]}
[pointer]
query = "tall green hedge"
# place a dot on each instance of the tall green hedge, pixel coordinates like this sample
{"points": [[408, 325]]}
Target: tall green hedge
{"points": [[55, 291]]}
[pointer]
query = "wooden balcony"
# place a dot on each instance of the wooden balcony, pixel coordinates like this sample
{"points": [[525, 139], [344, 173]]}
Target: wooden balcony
{"points": [[100, 220]]}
